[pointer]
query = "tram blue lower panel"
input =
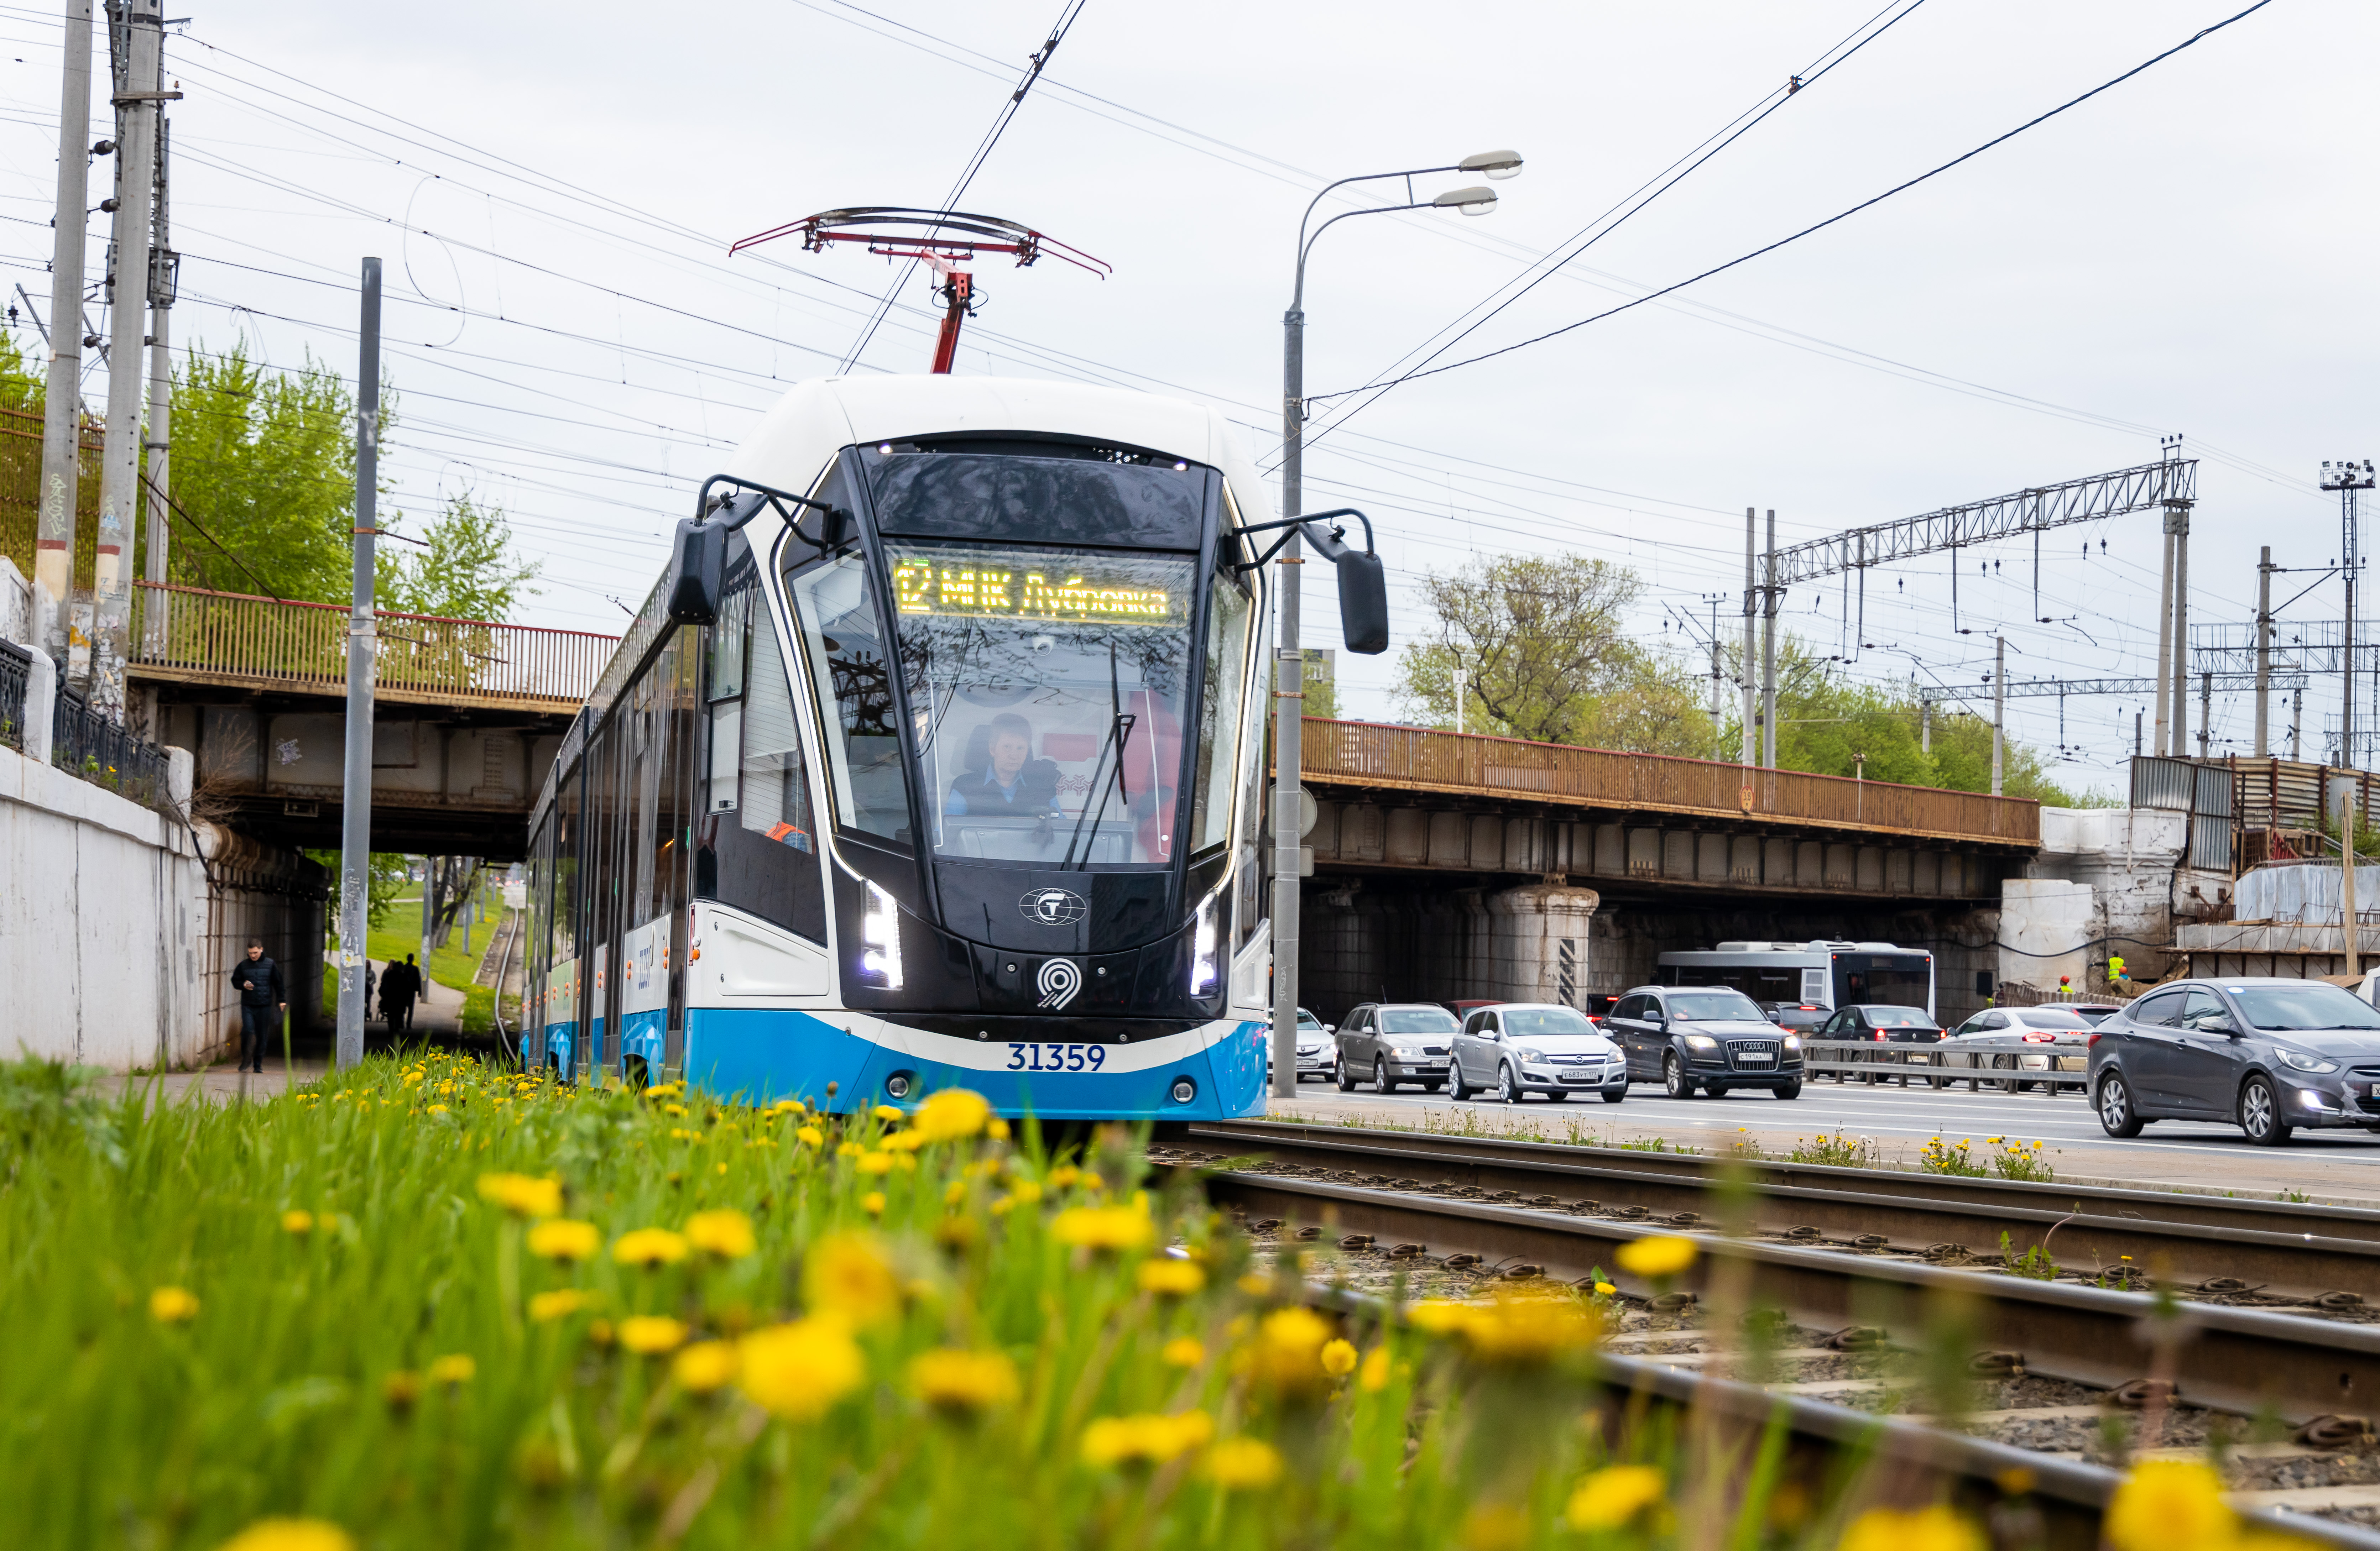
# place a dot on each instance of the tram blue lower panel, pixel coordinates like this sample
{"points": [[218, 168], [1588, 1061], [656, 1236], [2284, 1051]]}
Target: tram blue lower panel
{"points": [[644, 1034], [559, 1046], [760, 1057]]}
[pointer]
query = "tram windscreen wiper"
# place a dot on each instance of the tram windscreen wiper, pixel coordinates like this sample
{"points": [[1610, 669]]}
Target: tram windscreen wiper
{"points": [[1119, 734]]}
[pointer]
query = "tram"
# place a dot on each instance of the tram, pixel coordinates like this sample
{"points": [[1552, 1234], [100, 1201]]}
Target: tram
{"points": [[935, 758]]}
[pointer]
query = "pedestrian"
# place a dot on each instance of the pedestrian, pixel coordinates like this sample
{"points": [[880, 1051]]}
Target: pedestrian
{"points": [[263, 1001], [369, 978], [406, 988]]}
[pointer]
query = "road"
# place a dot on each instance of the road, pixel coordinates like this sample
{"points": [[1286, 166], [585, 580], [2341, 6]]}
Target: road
{"points": [[2329, 1166]]}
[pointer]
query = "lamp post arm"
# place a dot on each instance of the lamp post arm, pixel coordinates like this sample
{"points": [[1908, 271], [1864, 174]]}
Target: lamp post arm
{"points": [[1297, 302]]}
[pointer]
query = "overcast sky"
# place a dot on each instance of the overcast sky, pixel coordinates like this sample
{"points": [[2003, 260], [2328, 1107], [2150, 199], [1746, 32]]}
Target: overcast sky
{"points": [[554, 188]]}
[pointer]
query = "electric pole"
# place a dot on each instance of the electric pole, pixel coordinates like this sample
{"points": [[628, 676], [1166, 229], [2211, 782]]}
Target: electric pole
{"points": [[355, 796], [136, 44], [2263, 647], [1999, 704], [1771, 594], [1751, 685], [164, 274], [2347, 478], [62, 387]]}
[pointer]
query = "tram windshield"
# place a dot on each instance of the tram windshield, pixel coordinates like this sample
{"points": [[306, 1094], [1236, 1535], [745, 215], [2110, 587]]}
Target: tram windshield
{"points": [[1047, 689]]}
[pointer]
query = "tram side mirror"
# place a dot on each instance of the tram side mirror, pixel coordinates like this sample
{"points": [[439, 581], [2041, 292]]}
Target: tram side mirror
{"points": [[1363, 588], [696, 565]]}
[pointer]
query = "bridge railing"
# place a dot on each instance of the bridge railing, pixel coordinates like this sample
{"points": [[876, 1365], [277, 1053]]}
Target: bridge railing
{"points": [[229, 637], [1423, 760]]}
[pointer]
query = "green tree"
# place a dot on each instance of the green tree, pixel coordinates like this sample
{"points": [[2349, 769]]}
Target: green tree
{"points": [[1540, 648], [466, 570], [386, 879], [264, 461]]}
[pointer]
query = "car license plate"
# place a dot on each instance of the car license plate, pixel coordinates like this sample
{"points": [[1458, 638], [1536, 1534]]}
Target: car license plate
{"points": [[1056, 1057], [1755, 1057]]}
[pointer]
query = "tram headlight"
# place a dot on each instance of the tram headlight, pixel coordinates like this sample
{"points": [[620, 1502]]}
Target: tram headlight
{"points": [[1203, 976], [880, 936]]}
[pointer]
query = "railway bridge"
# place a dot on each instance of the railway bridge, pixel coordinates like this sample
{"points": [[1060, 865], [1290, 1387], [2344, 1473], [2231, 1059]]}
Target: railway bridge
{"points": [[1430, 848]]}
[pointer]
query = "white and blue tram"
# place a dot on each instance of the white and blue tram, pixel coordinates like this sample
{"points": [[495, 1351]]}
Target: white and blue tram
{"points": [[936, 759]]}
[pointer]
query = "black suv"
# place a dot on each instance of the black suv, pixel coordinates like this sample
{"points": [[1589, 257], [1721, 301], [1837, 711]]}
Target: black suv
{"points": [[1707, 1038]]}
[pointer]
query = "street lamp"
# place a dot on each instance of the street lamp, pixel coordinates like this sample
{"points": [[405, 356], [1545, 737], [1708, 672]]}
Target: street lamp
{"points": [[1289, 659]]}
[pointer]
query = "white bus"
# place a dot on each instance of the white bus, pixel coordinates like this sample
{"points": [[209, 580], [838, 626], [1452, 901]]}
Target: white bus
{"points": [[1814, 973]]}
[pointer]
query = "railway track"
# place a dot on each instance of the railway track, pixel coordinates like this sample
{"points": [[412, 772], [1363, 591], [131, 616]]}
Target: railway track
{"points": [[2076, 1361]]}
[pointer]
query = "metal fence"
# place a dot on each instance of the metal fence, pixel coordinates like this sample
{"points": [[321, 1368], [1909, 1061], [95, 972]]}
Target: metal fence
{"points": [[2050, 1067], [16, 669], [191, 633], [1423, 760], [85, 744]]}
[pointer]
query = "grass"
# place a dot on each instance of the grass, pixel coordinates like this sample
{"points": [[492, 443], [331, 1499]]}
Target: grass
{"points": [[449, 965], [1838, 1151], [434, 1304]]}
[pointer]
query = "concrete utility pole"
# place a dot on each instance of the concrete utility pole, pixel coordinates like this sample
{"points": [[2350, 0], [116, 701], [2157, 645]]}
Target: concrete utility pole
{"points": [[2164, 639], [163, 279], [2348, 478], [355, 797], [2263, 647], [1751, 684], [137, 57], [62, 388], [1713, 600], [2000, 705], [2205, 714], [2296, 714], [2179, 512], [1769, 596]]}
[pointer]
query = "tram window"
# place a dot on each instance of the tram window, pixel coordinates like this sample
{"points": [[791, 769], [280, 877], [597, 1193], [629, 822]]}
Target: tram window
{"points": [[1219, 714], [757, 843], [568, 843], [851, 671], [1047, 687]]}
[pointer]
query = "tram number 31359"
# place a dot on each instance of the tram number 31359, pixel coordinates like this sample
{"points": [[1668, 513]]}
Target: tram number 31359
{"points": [[1056, 1057]]}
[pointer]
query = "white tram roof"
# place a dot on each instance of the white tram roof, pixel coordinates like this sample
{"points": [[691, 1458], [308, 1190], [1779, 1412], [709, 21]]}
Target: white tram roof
{"points": [[815, 419]]}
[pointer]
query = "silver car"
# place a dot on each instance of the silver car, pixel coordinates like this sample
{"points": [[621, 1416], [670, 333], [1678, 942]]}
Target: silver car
{"points": [[1520, 1047], [2021, 1039], [1394, 1043]]}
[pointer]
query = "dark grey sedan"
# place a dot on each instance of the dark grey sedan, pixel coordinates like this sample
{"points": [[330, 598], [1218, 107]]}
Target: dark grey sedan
{"points": [[2268, 1056]]}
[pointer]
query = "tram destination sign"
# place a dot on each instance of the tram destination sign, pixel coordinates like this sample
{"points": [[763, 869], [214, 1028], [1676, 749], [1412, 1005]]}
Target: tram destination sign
{"points": [[1083, 589]]}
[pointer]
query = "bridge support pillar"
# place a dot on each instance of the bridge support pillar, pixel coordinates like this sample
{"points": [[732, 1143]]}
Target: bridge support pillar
{"points": [[1541, 944]]}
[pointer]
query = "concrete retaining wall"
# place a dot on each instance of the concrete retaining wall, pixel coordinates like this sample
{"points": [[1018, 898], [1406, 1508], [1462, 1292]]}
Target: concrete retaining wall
{"points": [[114, 946]]}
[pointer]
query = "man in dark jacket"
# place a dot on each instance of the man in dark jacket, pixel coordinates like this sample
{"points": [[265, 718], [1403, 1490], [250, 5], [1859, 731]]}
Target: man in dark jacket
{"points": [[263, 1001], [400, 986]]}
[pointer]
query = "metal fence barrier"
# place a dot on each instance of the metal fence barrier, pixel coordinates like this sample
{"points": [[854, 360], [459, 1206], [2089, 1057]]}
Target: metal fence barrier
{"points": [[2053, 1068], [84, 743], [16, 669]]}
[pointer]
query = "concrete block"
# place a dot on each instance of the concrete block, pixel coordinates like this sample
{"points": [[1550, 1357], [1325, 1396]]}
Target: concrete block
{"points": [[1448, 839], [1743, 859], [1525, 847], [1644, 853], [1487, 842], [1776, 863], [1926, 873], [1839, 867], [1325, 838], [1898, 866], [1610, 851], [1867, 874], [179, 770], [1362, 834], [1710, 858], [41, 705], [1676, 853], [1809, 864], [1408, 844]]}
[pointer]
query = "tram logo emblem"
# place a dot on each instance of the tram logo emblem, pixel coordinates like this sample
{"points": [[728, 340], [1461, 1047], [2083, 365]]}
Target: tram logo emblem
{"points": [[1058, 981], [1053, 907]]}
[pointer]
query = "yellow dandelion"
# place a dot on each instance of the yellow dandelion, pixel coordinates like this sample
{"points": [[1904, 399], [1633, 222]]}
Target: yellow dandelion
{"points": [[1148, 1437], [650, 1335], [798, 1371], [522, 1194], [560, 1303], [455, 1367], [1171, 1279], [949, 1378], [649, 1247], [952, 1114], [1373, 1377], [1339, 1358], [1664, 1254], [1242, 1464], [1939, 1528], [2168, 1506], [704, 1366], [291, 1535], [173, 1305], [565, 1239], [887, 1113], [1614, 1495], [847, 1274], [872, 1203], [874, 1163], [1183, 1351], [810, 1135], [725, 1234], [1103, 1228], [298, 1222]]}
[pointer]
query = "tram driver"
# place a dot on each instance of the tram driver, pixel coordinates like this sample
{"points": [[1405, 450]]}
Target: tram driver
{"points": [[1007, 779]]}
